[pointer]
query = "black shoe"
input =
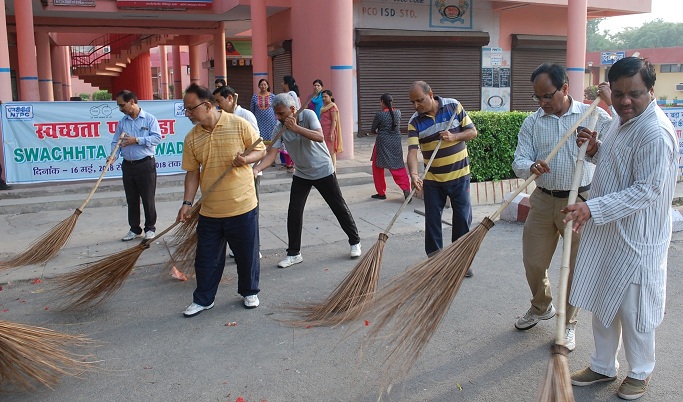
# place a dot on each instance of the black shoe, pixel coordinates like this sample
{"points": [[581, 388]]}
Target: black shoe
{"points": [[469, 273], [4, 186], [406, 194], [379, 197]]}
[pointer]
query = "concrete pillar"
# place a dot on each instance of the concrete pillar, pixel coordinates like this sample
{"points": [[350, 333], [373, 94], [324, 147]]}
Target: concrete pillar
{"points": [[5, 75], [177, 74], [576, 47], [136, 77], [219, 68], [66, 72], [56, 61], [44, 67], [26, 46], [163, 69], [195, 65], [259, 42]]}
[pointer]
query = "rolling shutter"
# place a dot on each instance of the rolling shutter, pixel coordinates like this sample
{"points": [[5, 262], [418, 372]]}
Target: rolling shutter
{"points": [[449, 64], [529, 52], [282, 64], [239, 78]]}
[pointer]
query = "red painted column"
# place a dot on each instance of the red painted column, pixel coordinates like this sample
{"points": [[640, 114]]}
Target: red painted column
{"points": [[44, 67], [5, 76], [177, 74], [219, 68], [136, 77], [576, 47], [66, 73], [56, 61], [259, 42], [195, 64], [26, 47], [163, 69]]}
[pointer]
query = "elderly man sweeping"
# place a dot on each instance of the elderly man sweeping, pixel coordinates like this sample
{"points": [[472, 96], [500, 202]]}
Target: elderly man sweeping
{"points": [[621, 264]]}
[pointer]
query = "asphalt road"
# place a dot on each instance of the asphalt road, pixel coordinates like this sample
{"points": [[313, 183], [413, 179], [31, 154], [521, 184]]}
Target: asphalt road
{"points": [[147, 351]]}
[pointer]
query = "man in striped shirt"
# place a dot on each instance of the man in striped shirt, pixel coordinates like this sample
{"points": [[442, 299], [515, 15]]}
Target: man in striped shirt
{"points": [[449, 174], [621, 264], [539, 134]]}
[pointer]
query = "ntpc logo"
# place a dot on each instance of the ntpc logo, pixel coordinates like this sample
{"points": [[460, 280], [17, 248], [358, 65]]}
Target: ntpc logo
{"points": [[19, 112]]}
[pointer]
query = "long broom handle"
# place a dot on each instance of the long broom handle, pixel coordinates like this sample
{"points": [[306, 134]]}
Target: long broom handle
{"points": [[567, 240], [424, 174], [110, 161], [550, 156]]}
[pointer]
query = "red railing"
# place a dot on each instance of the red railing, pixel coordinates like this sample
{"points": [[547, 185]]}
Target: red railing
{"points": [[103, 48]]}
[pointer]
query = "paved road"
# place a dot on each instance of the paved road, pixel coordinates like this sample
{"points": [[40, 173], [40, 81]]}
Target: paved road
{"points": [[148, 352]]}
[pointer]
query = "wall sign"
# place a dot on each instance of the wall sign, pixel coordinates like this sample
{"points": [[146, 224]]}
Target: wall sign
{"points": [[77, 3], [162, 4]]}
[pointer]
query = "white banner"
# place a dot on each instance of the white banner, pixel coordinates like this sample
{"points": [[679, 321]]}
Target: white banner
{"points": [[675, 114], [67, 141]]}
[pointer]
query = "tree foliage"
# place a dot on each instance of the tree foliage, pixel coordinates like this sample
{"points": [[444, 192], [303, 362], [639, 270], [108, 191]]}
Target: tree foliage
{"points": [[654, 34]]}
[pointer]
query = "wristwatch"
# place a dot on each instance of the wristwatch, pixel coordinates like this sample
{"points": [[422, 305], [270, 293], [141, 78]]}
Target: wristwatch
{"points": [[188, 203]]}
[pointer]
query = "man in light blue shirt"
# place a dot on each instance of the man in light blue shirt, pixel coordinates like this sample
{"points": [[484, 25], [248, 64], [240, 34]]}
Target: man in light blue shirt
{"points": [[139, 167]]}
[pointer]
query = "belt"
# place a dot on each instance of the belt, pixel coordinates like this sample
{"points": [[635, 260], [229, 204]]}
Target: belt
{"points": [[564, 193], [146, 158]]}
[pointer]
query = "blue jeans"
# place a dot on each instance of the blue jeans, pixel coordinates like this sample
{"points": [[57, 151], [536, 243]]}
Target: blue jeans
{"points": [[435, 200], [242, 234]]}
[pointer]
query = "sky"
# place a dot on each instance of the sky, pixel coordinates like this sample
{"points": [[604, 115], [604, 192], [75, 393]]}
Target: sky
{"points": [[668, 10]]}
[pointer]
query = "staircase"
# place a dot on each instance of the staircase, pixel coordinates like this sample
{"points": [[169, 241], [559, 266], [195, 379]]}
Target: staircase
{"points": [[108, 55]]}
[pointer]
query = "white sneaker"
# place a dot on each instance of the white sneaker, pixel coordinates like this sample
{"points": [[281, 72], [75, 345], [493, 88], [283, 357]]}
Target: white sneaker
{"points": [[355, 251], [290, 260], [194, 309], [251, 301], [130, 236], [230, 254], [529, 319], [569, 339], [149, 235]]}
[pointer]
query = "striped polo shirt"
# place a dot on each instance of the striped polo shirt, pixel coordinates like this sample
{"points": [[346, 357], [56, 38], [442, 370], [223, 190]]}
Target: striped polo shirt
{"points": [[451, 161]]}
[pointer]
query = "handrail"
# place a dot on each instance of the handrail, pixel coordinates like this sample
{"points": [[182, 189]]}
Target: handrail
{"points": [[101, 48]]}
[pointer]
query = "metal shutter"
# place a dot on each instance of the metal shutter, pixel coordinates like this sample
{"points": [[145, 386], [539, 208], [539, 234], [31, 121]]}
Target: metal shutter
{"points": [[239, 78], [529, 52], [282, 65], [452, 72]]}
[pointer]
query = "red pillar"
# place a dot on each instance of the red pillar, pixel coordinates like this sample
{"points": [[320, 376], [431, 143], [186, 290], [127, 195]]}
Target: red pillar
{"points": [[66, 72], [195, 65], [5, 76], [177, 74], [44, 67], [163, 67], [56, 61], [576, 47], [136, 77], [26, 46], [259, 42], [219, 67]]}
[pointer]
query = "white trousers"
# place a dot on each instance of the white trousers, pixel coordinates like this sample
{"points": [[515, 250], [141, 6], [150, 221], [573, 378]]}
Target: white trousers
{"points": [[639, 347]]}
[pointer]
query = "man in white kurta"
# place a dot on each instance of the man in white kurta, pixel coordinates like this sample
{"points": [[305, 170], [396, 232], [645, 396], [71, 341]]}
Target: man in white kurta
{"points": [[620, 273]]}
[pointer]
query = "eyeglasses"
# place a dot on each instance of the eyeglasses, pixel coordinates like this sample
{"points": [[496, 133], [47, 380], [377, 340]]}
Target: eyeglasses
{"points": [[545, 97], [191, 109]]}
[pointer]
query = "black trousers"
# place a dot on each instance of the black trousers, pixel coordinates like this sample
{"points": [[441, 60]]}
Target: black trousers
{"points": [[140, 183], [328, 187]]}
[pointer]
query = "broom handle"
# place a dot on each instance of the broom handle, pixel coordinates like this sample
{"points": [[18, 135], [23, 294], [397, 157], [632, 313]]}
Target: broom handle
{"points": [[424, 174], [550, 156], [110, 161], [567, 240]]}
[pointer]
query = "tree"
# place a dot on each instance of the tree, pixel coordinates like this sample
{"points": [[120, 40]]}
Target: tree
{"points": [[653, 34], [595, 40]]}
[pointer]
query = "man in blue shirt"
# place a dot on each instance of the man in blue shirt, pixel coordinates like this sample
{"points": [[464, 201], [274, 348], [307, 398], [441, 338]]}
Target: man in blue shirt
{"points": [[139, 167]]}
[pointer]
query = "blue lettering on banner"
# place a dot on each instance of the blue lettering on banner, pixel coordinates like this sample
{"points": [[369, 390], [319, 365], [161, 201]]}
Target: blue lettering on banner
{"points": [[19, 112]]}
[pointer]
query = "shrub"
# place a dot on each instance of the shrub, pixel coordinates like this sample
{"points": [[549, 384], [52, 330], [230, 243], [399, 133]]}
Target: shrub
{"points": [[102, 95], [492, 151], [590, 93], [84, 96]]}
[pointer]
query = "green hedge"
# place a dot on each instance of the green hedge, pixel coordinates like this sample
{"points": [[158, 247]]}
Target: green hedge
{"points": [[492, 152]]}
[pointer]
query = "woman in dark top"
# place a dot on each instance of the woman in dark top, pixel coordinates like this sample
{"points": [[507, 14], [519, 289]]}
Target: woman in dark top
{"points": [[388, 151]]}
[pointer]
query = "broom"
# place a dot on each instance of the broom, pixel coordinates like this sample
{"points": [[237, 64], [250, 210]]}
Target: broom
{"points": [[556, 386], [416, 301], [49, 244], [33, 355], [99, 280], [357, 288], [185, 237]]}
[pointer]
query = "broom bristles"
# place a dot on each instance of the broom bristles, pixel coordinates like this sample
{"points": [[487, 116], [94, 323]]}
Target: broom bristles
{"points": [[189, 228], [98, 281], [185, 253], [413, 304], [33, 355], [350, 298], [556, 386], [46, 246]]}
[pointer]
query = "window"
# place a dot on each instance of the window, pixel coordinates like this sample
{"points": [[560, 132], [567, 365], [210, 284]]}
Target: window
{"points": [[670, 68]]}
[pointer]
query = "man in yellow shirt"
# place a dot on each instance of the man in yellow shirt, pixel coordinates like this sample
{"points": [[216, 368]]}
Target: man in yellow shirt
{"points": [[229, 213]]}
